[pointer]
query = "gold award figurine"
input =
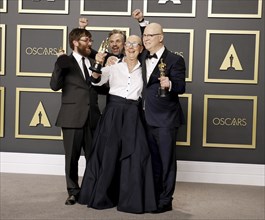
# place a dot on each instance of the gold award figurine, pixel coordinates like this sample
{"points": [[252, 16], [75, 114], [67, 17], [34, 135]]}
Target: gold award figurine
{"points": [[104, 46], [162, 68], [102, 49]]}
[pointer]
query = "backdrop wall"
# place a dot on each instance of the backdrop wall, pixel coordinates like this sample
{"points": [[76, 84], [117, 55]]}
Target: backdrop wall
{"points": [[222, 43]]}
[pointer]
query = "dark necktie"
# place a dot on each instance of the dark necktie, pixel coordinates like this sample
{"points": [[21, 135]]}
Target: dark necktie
{"points": [[149, 56], [85, 70]]}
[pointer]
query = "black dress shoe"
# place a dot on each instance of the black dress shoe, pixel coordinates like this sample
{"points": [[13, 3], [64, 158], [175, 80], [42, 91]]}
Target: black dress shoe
{"points": [[71, 200], [162, 209]]}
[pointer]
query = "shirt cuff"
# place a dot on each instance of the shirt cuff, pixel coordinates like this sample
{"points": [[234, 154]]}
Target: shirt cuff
{"points": [[143, 23], [170, 86]]}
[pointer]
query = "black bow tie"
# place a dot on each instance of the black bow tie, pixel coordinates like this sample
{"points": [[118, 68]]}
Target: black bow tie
{"points": [[120, 56], [149, 56]]}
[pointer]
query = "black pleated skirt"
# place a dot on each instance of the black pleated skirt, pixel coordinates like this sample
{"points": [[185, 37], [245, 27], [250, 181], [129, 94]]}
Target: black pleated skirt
{"points": [[119, 171]]}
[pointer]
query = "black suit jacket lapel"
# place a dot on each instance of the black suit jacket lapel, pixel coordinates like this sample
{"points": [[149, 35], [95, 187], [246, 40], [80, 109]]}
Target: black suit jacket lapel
{"points": [[156, 72], [77, 67], [144, 55], [164, 55]]}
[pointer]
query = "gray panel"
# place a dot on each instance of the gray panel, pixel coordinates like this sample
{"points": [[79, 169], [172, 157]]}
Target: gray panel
{"points": [[43, 4], [179, 43], [245, 48], [235, 6], [29, 102], [106, 5], [38, 49], [169, 7], [230, 121], [1, 47]]}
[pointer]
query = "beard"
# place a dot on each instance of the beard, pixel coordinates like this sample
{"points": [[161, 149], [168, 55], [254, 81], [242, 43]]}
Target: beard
{"points": [[83, 51]]}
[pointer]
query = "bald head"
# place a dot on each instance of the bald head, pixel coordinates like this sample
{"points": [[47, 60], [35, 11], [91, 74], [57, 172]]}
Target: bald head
{"points": [[155, 27]]}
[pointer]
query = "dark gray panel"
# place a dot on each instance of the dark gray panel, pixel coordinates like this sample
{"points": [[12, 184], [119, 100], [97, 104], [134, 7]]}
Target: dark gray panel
{"points": [[43, 4], [235, 6], [106, 5], [169, 7]]}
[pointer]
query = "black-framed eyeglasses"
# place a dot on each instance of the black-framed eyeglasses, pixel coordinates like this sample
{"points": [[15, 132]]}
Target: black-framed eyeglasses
{"points": [[133, 44], [151, 35]]}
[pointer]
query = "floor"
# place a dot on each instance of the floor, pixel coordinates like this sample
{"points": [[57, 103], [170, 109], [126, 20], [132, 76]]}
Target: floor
{"points": [[41, 197]]}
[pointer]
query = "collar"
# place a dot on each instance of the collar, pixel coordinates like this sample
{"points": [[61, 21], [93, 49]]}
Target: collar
{"points": [[136, 66], [77, 56], [160, 52]]}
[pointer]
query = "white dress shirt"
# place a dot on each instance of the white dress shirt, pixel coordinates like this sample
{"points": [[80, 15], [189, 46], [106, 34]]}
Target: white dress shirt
{"points": [[151, 63], [78, 58], [121, 82]]}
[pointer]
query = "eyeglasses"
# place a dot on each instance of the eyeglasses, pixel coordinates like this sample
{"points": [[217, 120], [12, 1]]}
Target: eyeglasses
{"points": [[133, 44], [150, 35], [86, 40]]}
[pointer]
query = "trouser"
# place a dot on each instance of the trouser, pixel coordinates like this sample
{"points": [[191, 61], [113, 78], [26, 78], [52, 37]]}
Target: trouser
{"points": [[162, 144], [75, 139]]}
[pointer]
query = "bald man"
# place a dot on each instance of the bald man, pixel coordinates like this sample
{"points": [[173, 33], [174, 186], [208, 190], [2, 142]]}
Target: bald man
{"points": [[163, 115]]}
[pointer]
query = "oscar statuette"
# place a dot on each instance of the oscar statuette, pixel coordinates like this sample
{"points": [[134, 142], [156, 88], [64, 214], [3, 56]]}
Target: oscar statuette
{"points": [[102, 49], [162, 68]]}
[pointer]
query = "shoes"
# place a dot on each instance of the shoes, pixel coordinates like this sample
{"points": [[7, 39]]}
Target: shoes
{"points": [[71, 200], [162, 209]]}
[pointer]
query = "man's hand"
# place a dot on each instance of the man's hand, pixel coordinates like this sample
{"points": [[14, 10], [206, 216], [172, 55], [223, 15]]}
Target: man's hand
{"points": [[138, 15], [63, 61], [164, 82], [60, 52], [95, 75], [83, 22], [100, 57], [111, 60]]}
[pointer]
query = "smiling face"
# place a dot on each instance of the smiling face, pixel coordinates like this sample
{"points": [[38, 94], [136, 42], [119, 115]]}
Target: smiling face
{"points": [[80, 41], [133, 46], [153, 37], [116, 43], [83, 46]]}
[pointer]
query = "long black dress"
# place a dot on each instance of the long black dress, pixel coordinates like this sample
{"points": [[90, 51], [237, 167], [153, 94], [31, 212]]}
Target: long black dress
{"points": [[119, 171]]}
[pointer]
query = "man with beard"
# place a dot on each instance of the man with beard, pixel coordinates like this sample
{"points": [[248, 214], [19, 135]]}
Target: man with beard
{"points": [[117, 40], [79, 110]]}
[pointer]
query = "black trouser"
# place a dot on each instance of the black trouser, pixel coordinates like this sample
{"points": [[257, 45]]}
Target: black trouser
{"points": [[75, 139], [162, 144]]}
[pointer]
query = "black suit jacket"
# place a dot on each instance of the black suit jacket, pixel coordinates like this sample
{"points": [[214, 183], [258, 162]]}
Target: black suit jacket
{"points": [[79, 99], [164, 111]]}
